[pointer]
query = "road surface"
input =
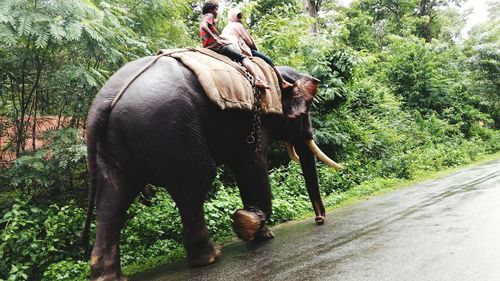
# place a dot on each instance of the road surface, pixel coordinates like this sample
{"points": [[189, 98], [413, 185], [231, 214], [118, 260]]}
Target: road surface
{"points": [[443, 229]]}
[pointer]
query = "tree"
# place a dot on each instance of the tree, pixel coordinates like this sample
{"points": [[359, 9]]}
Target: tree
{"points": [[311, 8], [393, 15], [427, 12], [483, 62], [57, 54]]}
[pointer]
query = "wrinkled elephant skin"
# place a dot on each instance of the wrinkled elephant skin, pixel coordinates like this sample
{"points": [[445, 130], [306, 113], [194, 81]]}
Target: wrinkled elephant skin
{"points": [[164, 131]]}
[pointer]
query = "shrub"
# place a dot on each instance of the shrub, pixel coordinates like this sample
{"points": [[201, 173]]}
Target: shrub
{"points": [[151, 229], [53, 173], [67, 270], [31, 238]]}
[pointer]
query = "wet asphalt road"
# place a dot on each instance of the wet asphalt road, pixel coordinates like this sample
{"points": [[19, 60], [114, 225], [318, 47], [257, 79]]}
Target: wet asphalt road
{"points": [[444, 229]]}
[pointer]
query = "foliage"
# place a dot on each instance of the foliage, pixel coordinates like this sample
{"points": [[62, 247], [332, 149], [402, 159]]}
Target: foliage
{"points": [[401, 94], [55, 172], [52, 48], [32, 238], [153, 230], [67, 270], [280, 32], [483, 64]]}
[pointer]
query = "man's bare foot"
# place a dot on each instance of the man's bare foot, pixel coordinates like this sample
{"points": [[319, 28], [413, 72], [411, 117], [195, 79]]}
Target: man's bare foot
{"points": [[286, 85]]}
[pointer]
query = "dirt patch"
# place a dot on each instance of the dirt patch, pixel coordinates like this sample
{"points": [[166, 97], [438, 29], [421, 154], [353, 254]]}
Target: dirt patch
{"points": [[8, 133]]}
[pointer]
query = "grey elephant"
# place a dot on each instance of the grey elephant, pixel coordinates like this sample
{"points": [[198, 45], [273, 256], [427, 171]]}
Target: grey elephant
{"points": [[166, 132]]}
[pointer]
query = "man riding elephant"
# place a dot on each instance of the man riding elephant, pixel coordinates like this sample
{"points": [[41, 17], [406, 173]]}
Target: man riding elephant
{"points": [[242, 38], [211, 39]]}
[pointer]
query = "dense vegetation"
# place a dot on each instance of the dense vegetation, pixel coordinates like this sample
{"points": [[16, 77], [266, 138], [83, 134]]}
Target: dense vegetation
{"points": [[402, 93]]}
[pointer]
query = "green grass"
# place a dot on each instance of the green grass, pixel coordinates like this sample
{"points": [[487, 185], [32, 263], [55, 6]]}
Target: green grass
{"points": [[380, 186], [153, 262]]}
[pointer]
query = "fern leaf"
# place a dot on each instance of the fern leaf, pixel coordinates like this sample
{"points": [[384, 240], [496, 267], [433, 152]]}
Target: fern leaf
{"points": [[57, 31], [39, 17], [25, 25], [4, 16], [74, 30], [19, 3], [92, 32], [42, 40], [91, 81], [7, 37]]}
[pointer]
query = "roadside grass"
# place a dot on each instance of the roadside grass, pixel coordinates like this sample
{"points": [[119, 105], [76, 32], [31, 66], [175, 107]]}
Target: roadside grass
{"points": [[379, 186], [152, 262], [364, 191]]}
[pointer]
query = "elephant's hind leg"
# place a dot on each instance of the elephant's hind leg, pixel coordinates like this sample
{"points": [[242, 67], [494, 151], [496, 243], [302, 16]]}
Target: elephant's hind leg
{"points": [[200, 249], [114, 196]]}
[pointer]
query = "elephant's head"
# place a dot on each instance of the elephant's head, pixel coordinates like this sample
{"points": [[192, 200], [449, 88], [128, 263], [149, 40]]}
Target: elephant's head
{"points": [[298, 133]]}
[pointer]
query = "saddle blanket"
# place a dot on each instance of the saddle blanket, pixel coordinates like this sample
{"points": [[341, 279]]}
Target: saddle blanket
{"points": [[225, 82]]}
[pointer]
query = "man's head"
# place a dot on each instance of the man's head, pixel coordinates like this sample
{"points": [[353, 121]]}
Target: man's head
{"points": [[210, 7], [234, 14]]}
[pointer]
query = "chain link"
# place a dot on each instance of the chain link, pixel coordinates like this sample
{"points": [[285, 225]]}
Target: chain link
{"points": [[255, 134]]}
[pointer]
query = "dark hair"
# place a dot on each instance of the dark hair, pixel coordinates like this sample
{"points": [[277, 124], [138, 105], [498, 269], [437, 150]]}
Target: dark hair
{"points": [[209, 6]]}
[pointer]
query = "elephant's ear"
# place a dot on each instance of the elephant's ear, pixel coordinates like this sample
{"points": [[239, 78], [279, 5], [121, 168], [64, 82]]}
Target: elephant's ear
{"points": [[296, 101]]}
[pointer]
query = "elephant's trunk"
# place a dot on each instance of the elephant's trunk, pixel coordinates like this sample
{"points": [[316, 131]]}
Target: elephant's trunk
{"points": [[307, 151], [308, 165]]}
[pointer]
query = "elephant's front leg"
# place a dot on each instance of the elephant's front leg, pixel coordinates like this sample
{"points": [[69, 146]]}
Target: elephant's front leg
{"points": [[253, 183]]}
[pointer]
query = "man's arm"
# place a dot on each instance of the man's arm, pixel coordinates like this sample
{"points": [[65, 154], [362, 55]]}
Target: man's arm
{"points": [[207, 20], [246, 37]]}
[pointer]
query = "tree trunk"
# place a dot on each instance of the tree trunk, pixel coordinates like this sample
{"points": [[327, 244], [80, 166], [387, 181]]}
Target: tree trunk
{"points": [[425, 9], [311, 7], [33, 129], [422, 9]]}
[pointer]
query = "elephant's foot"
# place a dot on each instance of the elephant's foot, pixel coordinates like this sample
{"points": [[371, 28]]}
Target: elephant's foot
{"points": [[263, 234], [105, 268], [320, 220], [204, 257], [247, 223], [111, 277]]}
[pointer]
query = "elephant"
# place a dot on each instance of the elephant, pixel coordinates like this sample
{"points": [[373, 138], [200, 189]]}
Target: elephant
{"points": [[165, 131]]}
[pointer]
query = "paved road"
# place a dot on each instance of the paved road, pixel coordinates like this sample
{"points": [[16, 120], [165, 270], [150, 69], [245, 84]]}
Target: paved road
{"points": [[444, 229]]}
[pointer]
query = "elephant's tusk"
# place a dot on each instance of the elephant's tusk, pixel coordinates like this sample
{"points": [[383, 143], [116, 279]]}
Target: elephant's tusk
{"points": [[321, 156], [291, 153]]}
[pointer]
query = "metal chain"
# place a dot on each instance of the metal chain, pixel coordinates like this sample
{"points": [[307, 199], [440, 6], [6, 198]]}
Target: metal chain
{"points": [[255, 137]]}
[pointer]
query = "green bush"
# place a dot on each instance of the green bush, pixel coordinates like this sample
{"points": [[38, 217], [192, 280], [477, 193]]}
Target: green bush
{"points": [[67, 270], [54, 173], [31, 238], [154, 229]]}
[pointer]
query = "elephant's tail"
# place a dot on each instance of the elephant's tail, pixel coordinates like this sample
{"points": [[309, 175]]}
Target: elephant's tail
{"points": [[91, 168], [93, 135]]}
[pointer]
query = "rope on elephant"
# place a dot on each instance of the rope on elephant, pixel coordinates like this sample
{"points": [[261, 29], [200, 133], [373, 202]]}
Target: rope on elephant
{"points": [[164, 53], [120, 93]]}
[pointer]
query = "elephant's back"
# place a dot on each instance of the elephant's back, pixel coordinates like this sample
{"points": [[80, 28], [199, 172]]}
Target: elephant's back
{"points": [[136, 75], [161, 112], [165, 90]]}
